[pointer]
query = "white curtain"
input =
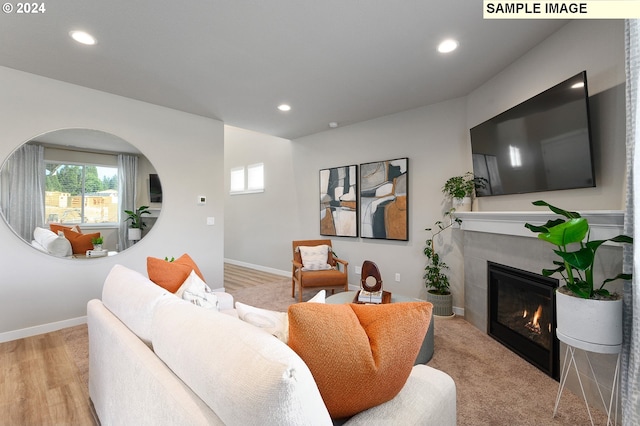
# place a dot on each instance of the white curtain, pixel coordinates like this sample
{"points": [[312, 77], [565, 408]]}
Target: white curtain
{"points": [[127, 178], [23, 186], [630, 373]]}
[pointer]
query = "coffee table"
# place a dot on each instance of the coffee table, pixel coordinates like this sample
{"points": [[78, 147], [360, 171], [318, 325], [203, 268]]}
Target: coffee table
{"points": [[427, 348]]}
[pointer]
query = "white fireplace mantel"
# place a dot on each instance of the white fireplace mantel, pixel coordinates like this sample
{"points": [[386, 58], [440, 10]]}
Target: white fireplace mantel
{"points": [[603, 223]]}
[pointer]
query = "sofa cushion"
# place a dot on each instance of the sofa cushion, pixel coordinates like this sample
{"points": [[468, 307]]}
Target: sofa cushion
{"points": [[171, 275], [359, 355], [132, 297], [52, 243], [245, 375]]}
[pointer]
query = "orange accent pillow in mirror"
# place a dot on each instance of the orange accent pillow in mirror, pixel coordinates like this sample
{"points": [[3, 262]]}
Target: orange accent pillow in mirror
{"points": [[80, 243]]}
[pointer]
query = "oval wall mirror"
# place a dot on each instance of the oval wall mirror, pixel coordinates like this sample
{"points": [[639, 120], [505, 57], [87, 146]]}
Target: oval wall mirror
{"points": [[75, 193]]}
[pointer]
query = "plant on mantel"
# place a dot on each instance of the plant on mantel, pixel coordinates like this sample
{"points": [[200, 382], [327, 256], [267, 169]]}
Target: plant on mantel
{"points": [[462, 189], [136, 216], [575, 265]]}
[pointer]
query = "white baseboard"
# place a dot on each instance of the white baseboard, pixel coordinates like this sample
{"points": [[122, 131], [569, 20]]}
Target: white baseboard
{"points": [[41, 329], [258, 267], [458, 311]]}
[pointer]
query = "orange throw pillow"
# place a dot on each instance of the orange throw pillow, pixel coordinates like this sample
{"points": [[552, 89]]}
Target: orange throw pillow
{"points": [[80, 243], [360, 355], [171, 275], [55, 227]]}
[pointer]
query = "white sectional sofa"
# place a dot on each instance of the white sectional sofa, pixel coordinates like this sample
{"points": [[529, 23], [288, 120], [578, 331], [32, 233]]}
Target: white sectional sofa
{"points": [[155, 359]]}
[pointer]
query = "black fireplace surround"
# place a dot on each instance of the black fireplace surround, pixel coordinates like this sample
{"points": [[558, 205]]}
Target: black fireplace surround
{"points": [[522, 315]]}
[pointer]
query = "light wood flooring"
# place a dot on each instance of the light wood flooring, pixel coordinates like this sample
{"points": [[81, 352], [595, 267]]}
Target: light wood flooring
{"points": [[40, 384]]}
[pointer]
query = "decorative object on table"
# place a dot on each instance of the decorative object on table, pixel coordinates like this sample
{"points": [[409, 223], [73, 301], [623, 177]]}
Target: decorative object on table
{"points": [[137, 224], [371, 285], [586, 314], [384, 198], [313, 265], [435, 278], [339, 201], [96, 253], [97, 243], [461, 190]]}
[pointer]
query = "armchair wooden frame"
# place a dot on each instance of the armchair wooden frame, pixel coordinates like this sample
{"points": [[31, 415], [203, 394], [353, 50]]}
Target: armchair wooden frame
{"points": [[327, 279]]}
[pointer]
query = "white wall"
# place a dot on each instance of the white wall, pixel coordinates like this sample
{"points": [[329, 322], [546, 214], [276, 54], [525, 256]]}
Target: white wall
{"points": [[436, 140], [260, 227], [37, 290]]}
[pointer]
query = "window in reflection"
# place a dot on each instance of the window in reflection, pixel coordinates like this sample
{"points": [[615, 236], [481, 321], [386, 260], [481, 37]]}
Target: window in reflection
{"points": [[77, 194]]}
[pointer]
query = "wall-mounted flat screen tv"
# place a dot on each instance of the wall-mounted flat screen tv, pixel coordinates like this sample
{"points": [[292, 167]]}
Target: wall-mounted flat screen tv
{"points": [[542, 144], [155, 189]]}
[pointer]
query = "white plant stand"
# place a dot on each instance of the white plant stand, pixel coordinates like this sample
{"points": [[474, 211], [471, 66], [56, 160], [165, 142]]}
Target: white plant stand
{"points": [[569, 360]]}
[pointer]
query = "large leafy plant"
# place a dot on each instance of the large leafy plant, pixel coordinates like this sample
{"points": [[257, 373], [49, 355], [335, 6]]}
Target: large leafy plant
{"points": [[435, 277], [136, 216], [576, 263]]}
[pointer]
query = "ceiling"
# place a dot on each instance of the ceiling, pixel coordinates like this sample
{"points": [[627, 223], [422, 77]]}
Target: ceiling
{"points": [[341, 61]]}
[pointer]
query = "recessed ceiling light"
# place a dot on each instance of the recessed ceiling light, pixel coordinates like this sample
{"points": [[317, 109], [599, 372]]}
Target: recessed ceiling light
{"points": [[83, 37], [333, 124], [447, 46], [284, 107]]}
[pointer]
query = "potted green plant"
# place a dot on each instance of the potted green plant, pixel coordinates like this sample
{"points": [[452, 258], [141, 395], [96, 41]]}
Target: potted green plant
{"points": [[435, 277], [582, 307], [137, 224], [461, 189], [97, 243]]}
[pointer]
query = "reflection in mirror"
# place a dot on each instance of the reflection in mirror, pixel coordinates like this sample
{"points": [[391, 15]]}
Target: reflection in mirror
{"points": [[65, 192]]}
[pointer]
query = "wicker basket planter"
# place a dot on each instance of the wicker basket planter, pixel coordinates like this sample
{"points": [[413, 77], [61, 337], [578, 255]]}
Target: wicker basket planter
{"points": [[442, 304]]}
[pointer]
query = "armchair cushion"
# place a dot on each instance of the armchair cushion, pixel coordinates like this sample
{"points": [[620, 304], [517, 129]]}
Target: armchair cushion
{"points": [[359, 355], [314, 258]]}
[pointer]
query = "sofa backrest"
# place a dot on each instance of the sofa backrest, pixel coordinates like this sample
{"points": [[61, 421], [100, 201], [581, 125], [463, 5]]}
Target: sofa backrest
{"points": [[132, 298], [245, 375]]}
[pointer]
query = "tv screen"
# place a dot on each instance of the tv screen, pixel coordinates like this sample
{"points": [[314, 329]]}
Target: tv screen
{"points": [[542, 144], [155, 189]]}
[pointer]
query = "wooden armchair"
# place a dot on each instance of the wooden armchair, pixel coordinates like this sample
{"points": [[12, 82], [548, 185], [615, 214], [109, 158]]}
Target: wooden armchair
{"points": [[322, 278]]}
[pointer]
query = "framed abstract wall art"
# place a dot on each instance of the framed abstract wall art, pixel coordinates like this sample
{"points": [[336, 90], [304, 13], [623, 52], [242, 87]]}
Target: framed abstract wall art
{"points": [[384, 199], [339, 201]]}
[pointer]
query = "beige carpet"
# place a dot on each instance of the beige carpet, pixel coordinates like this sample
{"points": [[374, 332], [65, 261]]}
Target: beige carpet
{"points": [[494, 386]]}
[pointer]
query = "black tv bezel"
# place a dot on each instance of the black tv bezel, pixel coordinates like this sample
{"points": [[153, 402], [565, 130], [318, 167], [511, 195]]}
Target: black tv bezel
{"points": [[522, 105]]}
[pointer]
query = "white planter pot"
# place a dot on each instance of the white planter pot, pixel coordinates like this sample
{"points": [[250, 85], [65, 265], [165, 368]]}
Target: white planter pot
{"points": [[135, 234], [462, 204], [593, 325]]}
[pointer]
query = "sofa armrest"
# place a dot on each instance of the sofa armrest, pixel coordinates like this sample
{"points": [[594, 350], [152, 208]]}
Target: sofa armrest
{"points": [[428, 398], [225, 300]]}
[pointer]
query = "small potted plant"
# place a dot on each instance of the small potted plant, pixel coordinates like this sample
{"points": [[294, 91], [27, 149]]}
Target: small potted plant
{"points": [[135, 229], [435, 278], [461, 189], [585, 312], [97, 243]]}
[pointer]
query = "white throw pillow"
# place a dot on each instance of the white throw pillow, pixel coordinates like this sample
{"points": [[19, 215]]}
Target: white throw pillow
{"points": [[314, 258], [273, 322], [54, 244], [196, 291]]}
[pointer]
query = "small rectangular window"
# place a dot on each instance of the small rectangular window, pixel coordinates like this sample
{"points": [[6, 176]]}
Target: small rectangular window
{"points": [[247, 181], [237, 179], [255, 177]]}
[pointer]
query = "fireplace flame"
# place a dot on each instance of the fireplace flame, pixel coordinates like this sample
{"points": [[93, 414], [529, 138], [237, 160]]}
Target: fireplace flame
{"points": [[533, 325]]}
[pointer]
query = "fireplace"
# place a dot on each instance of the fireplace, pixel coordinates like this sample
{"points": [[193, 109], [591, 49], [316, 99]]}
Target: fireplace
{"points": [[521, 315]]}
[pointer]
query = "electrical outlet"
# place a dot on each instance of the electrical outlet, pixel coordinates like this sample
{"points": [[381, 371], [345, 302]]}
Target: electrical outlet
{"points": [[397, 277], [357, 269]]}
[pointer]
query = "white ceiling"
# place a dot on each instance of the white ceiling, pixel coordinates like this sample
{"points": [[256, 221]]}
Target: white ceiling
{"points": [[235, 60]]}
